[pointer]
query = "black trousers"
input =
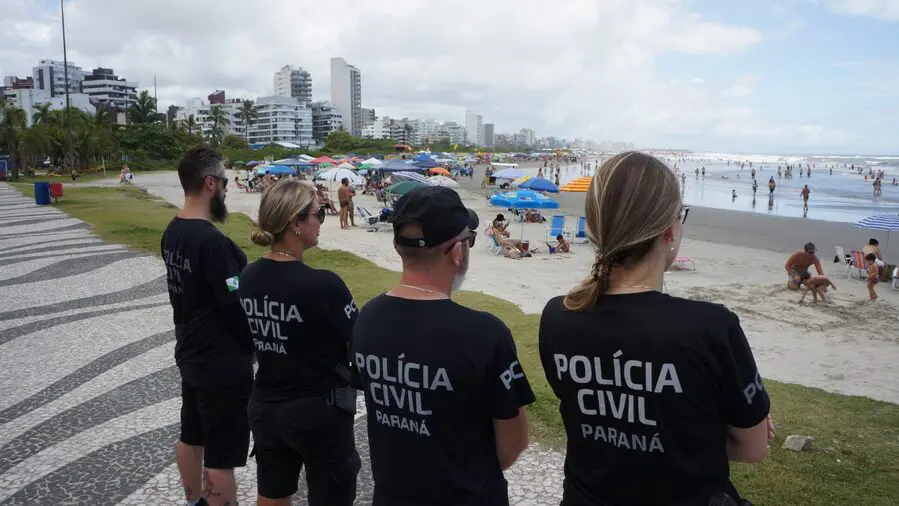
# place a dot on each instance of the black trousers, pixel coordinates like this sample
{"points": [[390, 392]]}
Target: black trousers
{"points": [[304, 432]]}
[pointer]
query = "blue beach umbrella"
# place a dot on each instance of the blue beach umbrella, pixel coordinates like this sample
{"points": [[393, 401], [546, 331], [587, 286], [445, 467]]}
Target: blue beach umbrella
{"points": [[523, 199], [884, 222], [539, 184]]}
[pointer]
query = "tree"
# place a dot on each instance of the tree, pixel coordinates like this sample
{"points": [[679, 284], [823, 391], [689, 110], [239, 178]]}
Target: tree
{"points": [[219, 118], [143, 110], [12, 127], [247, 113], [191, 124]]}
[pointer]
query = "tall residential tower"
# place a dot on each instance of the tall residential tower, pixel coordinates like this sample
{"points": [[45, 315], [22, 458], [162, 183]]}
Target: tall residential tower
{"points": [[346, 94]]}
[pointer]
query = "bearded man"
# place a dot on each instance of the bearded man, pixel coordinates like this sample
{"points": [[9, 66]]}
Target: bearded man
{"points": [[213, 344]]}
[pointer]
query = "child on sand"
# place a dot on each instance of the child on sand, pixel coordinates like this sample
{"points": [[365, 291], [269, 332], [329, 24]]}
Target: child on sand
{"points": [[818, 285], [873, 274]]}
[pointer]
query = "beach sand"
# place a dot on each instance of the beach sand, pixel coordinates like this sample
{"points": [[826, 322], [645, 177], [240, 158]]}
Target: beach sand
{"points": [[847, 345]]}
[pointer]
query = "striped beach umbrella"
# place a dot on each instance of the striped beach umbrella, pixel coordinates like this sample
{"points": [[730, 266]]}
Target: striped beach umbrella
{"points": [[884, 222]]}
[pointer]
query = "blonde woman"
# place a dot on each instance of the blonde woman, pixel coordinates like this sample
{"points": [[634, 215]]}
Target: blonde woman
{"points": [[657, 393], [302, 407]]}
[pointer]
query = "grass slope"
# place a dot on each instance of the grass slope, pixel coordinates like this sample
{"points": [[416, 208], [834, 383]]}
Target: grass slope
{"points": [[859, 462]]}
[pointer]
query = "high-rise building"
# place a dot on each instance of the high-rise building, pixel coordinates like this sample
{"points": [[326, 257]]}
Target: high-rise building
{"points": [[488, 135], [216, 97], [281, 119], [346, 94], [368, 116], [325, 119], [295, 82], [474, 126], [49, 75], [17, 83], [104, 87]]}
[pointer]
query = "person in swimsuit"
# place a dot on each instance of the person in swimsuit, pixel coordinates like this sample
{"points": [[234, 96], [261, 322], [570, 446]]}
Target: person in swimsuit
{"points": [[798, 264], [873, 274], [343, 197], [804, 194]]}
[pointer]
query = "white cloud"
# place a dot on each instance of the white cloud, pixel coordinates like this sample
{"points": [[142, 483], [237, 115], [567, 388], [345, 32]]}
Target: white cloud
{"points": [[568, 67], [887, 10]]}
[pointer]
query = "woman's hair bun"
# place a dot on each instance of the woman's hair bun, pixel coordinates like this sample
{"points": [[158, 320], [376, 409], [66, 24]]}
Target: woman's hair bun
{"points": [[262, 238]]}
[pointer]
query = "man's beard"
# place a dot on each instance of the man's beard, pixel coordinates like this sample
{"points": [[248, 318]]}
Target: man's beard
{"points": [[217, 209], [459, 277]]}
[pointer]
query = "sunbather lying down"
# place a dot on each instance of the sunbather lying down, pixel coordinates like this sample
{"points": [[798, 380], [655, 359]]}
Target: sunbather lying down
{"points": [[818, 285]]}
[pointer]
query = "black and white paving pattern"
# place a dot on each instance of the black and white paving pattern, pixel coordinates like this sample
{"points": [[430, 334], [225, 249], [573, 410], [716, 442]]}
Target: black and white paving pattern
{"points": [[89, 392]]}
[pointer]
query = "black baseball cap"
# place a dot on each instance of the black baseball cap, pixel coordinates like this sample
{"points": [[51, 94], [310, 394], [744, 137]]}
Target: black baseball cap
{"points": [[437, 210]]}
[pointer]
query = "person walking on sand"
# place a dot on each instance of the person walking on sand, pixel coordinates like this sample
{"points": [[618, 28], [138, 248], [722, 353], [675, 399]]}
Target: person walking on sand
{"points": [[771, 186], [302, 406], [463, 420], [657, 393], [873, 275], [805, 194], [213, 344], [755, 187]]}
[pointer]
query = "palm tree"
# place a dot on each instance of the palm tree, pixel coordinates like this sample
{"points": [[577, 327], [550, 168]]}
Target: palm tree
{"points": [[247, 113], [143, 110], [190, 124], [41, 114], [219, 119], [12, 127]]}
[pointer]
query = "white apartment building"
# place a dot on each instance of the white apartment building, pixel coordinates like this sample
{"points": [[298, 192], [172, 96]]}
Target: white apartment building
{"points": [[474, 126], [105, 87], [281, 119], [201, 110], [28, 99], [378, 129], [295, 82], [49, 75], [525, 137], [326, 118], [428, 129], [454, 132], [346, 94]]}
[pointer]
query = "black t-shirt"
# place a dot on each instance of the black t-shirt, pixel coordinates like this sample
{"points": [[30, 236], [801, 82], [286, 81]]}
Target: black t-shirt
{"points": [[302, 320], [212, 346], [648, 384], [435, 376]]}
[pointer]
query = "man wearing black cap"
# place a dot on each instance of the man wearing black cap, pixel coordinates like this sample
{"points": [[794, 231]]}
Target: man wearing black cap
{"points": [[444, 390]]}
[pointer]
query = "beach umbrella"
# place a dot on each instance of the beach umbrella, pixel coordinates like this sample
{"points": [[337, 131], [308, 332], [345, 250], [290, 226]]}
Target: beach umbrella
{"points": [[404, 187], [252, 163], [337, 174], [409, 176], [521, 180], [884, 222], [523, 199], [367, 165], [290, 162], [373, 160], [443, 181], [346, 165], [539, 184], [238, 162], [440, 171]]}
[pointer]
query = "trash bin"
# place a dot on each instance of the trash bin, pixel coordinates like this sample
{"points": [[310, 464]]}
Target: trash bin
{"points": [[42, 194]]}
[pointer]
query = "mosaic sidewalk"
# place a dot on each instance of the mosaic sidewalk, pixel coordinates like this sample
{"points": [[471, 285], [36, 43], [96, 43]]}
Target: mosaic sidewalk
{"points": [[89, 392]]}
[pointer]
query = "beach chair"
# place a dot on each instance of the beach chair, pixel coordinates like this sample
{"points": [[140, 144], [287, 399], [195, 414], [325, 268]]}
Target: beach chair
{"points": [[844, 260], [493, 244], [858, 262], [580, 234], [371, 221], [556, 228]]}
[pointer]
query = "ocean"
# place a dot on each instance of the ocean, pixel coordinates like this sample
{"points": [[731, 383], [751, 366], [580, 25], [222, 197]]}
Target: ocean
{"points": [[837, 193]]}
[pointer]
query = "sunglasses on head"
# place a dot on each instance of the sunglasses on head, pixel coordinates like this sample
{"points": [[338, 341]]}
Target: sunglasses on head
{"points": [[684, 210]]}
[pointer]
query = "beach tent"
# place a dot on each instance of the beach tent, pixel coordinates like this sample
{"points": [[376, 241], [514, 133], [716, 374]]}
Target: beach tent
{"points": [[409, 176], [280, 169], [324, 159], [539, 184], [508, 174], [346, 165], [440, 171], [426, 164], [373, 161], [396, 166], [443, 181], [290, 162], [423, 157]]}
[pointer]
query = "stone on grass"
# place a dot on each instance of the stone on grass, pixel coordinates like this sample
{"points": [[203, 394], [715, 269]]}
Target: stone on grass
{"points": [[798, 443]]}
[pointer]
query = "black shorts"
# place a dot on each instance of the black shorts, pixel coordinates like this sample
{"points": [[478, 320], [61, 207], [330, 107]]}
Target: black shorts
{"points": [[216, 419], [288, 435]]}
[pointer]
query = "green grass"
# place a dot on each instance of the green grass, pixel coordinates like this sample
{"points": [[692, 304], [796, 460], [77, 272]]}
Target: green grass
{"points": [[860, 463]]}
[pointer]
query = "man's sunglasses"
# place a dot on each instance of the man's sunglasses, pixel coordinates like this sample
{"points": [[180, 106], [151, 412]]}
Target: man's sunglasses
{"points": [[223, 179], [472, 235]]}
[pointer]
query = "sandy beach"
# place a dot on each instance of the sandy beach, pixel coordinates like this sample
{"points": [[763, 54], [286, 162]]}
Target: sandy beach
{"points": [[847, 345]]}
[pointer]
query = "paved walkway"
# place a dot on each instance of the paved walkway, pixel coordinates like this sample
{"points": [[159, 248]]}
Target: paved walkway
{"points": [[89, 392]]}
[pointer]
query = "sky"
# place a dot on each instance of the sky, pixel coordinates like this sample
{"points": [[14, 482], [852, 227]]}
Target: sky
{"points": [[787, 76]]}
